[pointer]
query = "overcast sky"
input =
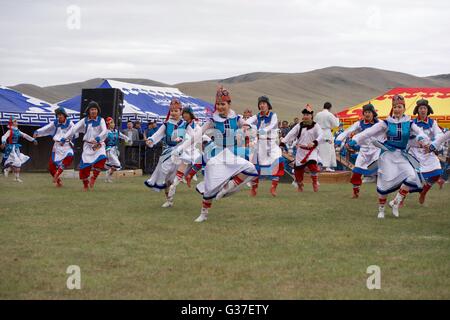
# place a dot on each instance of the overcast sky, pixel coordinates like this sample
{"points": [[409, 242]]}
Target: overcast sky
{"points": [[190, 40]]}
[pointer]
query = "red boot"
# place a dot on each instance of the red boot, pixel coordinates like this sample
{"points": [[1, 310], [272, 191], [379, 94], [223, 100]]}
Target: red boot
{"points": [[189, 179], [254, 189], [59, 183], [440, 182], [424, 192], [315, 180], [355, 192], [85, 185], [273, 189], [57, 174]]}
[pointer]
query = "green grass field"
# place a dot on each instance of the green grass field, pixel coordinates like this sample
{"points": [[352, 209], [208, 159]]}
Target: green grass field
{"points": [[296, 246]]}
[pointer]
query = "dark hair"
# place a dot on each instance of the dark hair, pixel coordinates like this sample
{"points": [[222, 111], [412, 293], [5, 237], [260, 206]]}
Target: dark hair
{"points": [[327, 105]]}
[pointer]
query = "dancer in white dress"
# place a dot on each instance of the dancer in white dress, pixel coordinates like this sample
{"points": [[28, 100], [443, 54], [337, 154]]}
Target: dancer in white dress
{"points": [[13, 159], [62, 152], [267, 156], [307, 136], [397, 169], [112, 148], [93, 157], [172, 134], [368, 153], [224, 171], [190, 152], [430, 166]]}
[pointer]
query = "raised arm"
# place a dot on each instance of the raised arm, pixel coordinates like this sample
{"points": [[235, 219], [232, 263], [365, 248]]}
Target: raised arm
{"points": [[437, 143], [45, 130], [292, 135], [123, 137], [157, 136], [375, 130], [26, 136], [353, 128], [251, 121]]}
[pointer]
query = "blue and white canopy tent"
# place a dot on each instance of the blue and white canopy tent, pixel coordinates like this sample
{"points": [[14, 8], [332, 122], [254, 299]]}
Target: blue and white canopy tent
{"points": [[147, 102], [27, 110]]}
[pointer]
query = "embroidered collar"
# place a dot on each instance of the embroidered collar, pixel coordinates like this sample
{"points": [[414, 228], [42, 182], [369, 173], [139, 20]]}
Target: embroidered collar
{"points": [[219, 118], [93, 122], [404, 118], [424, 121], [63, 125]]}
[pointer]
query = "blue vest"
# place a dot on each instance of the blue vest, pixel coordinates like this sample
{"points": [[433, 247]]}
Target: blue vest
{"points": [[228, 130], [424, 125], [112, 139], [265, 119], [398, 134], [15, 136], [170, 132]]}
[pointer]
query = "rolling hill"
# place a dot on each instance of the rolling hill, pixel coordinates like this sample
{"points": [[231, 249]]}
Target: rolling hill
{"points": [[289, 92]]}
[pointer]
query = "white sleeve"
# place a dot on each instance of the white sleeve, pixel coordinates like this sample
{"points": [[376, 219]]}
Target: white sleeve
{"points": [[24, 135], [158, 135], [420, 135], [375, 130], [349, 130], [334, 121], [318, 133], [436, 130], [442, 139], [75, 130], [273, 124], [292, 135], [251, 121], [123, 137], [5, 136], [193, 136], [207, 125], [46, 130]]}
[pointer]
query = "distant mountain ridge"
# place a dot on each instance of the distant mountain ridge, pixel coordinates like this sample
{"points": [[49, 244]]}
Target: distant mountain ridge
{"points": [[288, 92]]}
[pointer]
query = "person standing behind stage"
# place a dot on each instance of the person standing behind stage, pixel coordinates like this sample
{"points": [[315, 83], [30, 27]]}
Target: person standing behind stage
{"points": [[131, 133], [327, 121]]}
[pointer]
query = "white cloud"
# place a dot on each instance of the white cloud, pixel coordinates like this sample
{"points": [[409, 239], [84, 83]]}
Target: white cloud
{"points": [[175, 41]]}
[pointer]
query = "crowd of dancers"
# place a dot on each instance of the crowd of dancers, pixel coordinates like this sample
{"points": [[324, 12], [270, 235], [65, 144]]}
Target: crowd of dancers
{"points": [[232, 151]]}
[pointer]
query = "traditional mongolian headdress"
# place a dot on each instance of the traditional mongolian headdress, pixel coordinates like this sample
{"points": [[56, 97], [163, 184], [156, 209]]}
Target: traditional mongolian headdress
{"points": [[308, 109], [108, 121], [174, 103], [397, 99], [222, 95]]}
